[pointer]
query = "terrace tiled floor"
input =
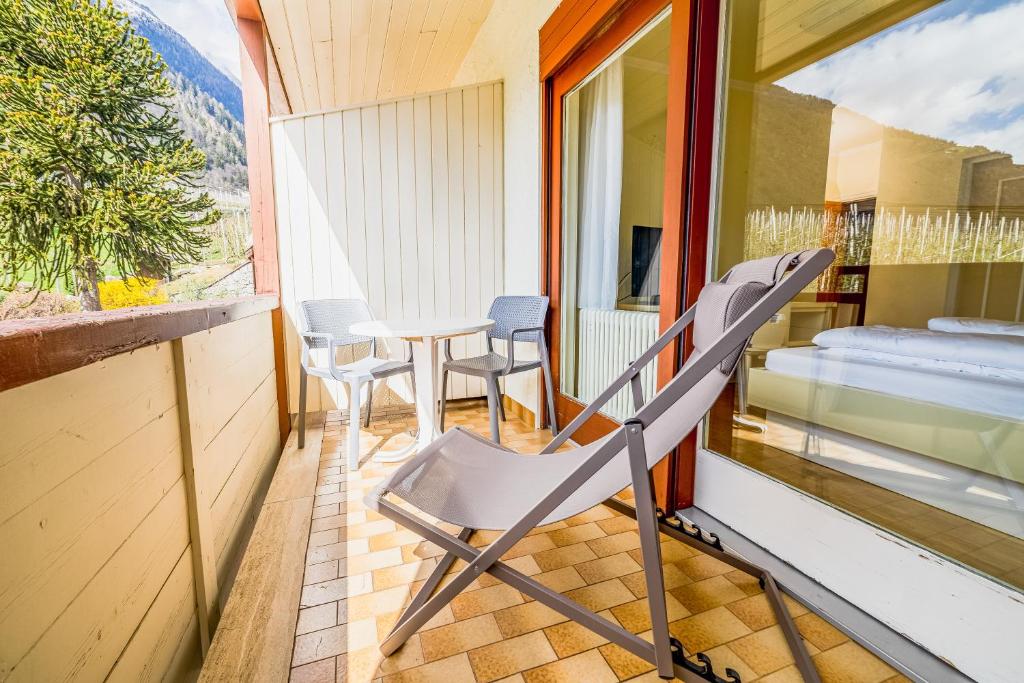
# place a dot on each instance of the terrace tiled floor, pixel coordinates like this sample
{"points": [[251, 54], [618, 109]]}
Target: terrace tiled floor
{"points": [[362, 569]]}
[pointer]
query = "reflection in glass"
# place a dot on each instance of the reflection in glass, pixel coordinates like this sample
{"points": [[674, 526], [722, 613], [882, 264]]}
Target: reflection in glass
{"points": [[613, 173], [894, 387]]}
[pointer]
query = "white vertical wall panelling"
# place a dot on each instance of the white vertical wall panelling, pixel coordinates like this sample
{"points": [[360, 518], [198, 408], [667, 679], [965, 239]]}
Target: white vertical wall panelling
{"points": [[405, 155], [372, 202], [439, 186], [319, 230], [398, 203], [391, 233], [471, 213], [456, 229], [424, 204]]}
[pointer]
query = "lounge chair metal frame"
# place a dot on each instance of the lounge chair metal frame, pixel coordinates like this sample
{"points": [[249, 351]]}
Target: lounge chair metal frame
{"points": [[665, 652]]}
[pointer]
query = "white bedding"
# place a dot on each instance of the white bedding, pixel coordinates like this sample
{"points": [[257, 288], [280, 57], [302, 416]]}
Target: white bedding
{"points": [[1001, 397], [989, 352], [976, 326]]}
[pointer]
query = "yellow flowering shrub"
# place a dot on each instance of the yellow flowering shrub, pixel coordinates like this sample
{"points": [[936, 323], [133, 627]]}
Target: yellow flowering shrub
{"points": [[134, 291]]}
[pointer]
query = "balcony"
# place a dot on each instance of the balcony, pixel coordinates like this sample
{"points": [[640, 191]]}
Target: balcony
{"points": [[160, 522]]}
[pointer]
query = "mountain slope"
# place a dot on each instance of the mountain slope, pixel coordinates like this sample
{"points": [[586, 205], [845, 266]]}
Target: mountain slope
{"points": [[208, 102]]}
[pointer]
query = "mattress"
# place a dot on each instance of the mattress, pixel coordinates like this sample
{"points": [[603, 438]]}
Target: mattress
{"points": [[965, 391]]}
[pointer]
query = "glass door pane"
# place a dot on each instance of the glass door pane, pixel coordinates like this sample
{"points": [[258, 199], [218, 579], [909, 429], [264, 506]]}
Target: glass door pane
{"points": [[894, 386], [613, 175]]}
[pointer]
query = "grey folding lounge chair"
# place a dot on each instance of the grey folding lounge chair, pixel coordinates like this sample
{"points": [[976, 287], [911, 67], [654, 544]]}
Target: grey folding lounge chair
{"points": [[472, 483], [326, 327], [516, 319]]}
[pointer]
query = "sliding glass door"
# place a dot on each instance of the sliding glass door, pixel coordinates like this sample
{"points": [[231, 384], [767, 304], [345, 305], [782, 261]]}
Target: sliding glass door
{"points": [[613, 128], [892, 132]]}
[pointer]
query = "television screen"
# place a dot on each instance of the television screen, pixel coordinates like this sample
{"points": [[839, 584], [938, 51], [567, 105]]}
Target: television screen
{"points": [[646, 266]]}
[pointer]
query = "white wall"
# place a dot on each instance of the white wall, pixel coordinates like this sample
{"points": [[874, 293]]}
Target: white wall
{"points": [[399, 203], [507, 48]]}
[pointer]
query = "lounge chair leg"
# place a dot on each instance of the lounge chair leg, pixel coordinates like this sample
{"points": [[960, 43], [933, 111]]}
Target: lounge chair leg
{"points": [[353, 425], [430, 585], [492, 408], [303, 382], [369, 403], [650, 547], [444, 396]]}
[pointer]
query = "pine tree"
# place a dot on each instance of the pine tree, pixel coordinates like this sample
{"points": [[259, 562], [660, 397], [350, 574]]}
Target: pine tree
{"points": [[94, 169]]}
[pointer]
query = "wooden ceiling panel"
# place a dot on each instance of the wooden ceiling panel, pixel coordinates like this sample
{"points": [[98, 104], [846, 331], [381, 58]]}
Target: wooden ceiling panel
{"points": [[335, 53]]}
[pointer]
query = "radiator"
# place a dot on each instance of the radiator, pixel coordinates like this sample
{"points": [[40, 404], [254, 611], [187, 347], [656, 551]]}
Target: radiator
{"points": [[608, 342]]}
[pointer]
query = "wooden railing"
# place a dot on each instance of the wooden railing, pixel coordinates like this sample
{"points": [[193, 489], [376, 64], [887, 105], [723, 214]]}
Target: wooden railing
{"points": [[136, 450]]}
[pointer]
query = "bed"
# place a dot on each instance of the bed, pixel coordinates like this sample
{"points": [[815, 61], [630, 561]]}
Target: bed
{"points": [[934, 414]]}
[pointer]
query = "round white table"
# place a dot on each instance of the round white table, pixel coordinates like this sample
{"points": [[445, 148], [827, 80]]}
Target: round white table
{"points": [[423, 335]]}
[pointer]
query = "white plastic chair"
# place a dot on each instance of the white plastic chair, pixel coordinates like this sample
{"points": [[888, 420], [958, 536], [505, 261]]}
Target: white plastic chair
{"points": [[327, 323]]}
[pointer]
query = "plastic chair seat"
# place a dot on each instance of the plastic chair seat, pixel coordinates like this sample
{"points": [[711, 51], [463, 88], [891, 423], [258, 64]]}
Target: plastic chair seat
{"points": [[488, 364]]}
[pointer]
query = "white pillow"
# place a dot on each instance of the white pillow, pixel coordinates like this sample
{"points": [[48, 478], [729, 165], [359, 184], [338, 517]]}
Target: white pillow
{"points": [[976, 326]]}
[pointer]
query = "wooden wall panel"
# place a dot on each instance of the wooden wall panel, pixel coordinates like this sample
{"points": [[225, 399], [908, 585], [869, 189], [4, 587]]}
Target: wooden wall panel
{"points": [[397, 203], [98, 578]]}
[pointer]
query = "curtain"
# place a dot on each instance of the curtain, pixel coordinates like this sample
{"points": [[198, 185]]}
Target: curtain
{"points": [[600, 188]]}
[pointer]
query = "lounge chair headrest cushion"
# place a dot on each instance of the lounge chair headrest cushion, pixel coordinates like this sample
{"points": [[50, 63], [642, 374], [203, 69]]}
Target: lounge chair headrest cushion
{"points": [[719, 306]]}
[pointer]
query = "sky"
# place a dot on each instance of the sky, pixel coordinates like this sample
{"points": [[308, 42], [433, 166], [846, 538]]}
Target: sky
{"points": [[954, 72], [207, 26]]}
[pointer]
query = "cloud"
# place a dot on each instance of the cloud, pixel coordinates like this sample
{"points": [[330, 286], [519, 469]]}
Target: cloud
{"points": [[955, 75], [207, 26]]}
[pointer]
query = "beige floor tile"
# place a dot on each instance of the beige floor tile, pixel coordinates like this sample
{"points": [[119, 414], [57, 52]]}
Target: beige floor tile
{"points": [[328, 642], [635, 616], [556, 558], [325, 523], [377, 602], [617, 524], [594, 514], [625, 664], [765, 651], [510, 656], [461, 636], [454, 669], [317, 618], [703, 567], [322, 571], [850, 663], [569, 638], [706, 594], [528, 545], [588, 666], [754, 611], [744, 581], [819, 632], [605, 568], [576, 534], [393, 539], [402, 575], [331, 591], [672, 576], [315, 672], [616, 543], [357, 564], [561, 580], [601, 595], [708, 629], [473, 603], [789, 674], [409, 656], [530, 616]]}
